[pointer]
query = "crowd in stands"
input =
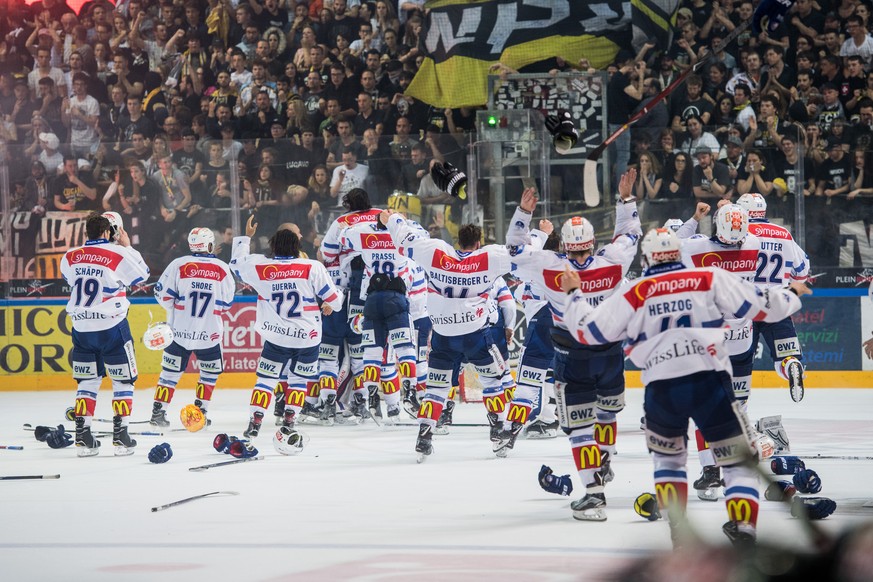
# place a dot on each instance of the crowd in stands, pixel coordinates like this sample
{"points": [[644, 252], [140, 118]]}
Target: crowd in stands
{"points": [[175, 113]]}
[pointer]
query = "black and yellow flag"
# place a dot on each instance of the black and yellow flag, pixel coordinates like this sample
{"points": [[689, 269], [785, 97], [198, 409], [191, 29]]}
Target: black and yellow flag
{"points": [[463, 38]]}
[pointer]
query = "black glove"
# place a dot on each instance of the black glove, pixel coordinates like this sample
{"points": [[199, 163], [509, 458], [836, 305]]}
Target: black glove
{"points": [[161, 453], [562, 128], [450, 179], [56, 438], [815, 507]]}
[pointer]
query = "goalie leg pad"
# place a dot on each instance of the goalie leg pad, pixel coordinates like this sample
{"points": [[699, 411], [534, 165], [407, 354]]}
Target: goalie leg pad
{"points": [[772, 427]]}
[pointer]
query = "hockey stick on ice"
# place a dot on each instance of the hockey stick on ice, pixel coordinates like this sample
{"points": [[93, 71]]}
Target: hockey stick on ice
{"points": [[12, 447], [12, 477], [589, 174], [187, 499], [28, 426], [224, 463]]}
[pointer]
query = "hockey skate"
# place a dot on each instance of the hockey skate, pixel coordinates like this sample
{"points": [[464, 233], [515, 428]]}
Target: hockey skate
{"points": [[254, 425], [424, 443], [393, 416], [795, 379], [159, 416], [310, 413], [494, 430], [708, 483], [86, 444], [741, 535], [374, 402], [507, 439], [359, 409], [606, 473], [328, 411], [541, 430], [278, 404], [120, 439], [592, 507], [288, 419], [199, 404], [445, 419], [410, 399]]}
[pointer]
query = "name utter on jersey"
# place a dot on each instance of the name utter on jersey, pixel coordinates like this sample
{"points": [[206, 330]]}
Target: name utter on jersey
{"points": [[274, 272], [201, 271]]}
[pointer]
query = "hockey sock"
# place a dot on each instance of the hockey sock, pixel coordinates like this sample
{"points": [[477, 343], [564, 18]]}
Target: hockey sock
{"points": [[85, 407], [164, 394], [586, 455], [122, 400], [671, 484], [494, 399], [741, 495], [431, 408], [453, 392], [519, 411], [360, 385], [703, 453], [261, 396], [605, 431], [327, 385], [203, 393], [295, 396]]}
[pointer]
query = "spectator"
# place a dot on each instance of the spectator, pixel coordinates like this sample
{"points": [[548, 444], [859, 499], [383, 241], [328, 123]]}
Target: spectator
{"points": [[649, 181], [367, 117], [743, 105], [412, 173], [43, 69], [347, 139], [756, 176], [72, 191], [778, 75], [347, 176], [710, 179], [22, 110], [692, 103], [696, 138], [134, 122], [176, 204], [831, 108], [36, 190], [751, 76], [858, 41], [626, 90], [319, 185], [50, 157]]}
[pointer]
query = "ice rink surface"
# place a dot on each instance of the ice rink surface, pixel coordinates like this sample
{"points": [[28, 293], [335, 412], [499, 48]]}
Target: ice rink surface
{"points": [[354, 505]]}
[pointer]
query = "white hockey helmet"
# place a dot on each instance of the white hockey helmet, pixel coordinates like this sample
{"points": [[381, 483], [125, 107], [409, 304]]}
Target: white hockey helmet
{"points": [[288, 441], [661, 245], [731, 224], [158, 336], [577, 235], [754, 204], [674, 224], [115, 223], [200, 238]]}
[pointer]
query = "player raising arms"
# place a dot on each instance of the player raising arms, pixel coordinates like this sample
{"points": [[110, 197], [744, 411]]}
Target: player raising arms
{"points": [[195, 290], [458, 282], [97, 274], [672, 321], [587, 379], [288, 320]]}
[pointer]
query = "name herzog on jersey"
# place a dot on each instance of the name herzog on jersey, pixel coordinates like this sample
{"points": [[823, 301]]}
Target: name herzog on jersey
{"points": [[780, 259], [97, 274], [195, 290], [376, 248], [458, 281], [703, 251], [288, 312], [673, 320]]}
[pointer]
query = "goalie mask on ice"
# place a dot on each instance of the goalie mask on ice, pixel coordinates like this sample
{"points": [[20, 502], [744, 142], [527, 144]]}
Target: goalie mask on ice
{"points": [[158, 336], [754, 204], [731, 224], [201, 240], [577, 235]]}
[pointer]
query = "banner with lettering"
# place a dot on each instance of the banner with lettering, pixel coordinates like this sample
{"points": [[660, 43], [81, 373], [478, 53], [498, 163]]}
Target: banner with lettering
{"points": [[38, 243], [463, 39]]}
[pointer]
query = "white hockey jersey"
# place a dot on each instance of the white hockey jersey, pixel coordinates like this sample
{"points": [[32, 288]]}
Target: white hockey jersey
{"points": [[501, 302], [672, 318], [98, 274], [330, 244], [418, 292], [780, 259], [288, 313], [601, 273], [702, 251], [195, 290], [458, 281], [376, 248]]}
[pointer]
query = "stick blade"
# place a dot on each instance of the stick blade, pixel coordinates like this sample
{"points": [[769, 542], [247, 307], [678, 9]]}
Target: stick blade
{"points": [[590, 190]]}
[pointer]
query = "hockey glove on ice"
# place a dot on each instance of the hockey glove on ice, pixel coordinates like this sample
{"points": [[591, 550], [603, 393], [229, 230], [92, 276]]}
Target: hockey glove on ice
{"points": [[564, 132], [222, 442], [786, 465], [161, 453], [242, 450], [807, 481], [56, 438], [779, 491], [554, 484], [815, 507], [450, 179]]}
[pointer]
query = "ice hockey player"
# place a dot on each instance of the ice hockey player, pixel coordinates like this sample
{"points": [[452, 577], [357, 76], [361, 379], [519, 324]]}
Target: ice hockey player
{"points": [[387, 326], [589, 381], [731, 248], [458, 283], [194, 290], [346, 274], [288, 320], [97, 274], [781, 260], [672, 322], [422, 327], [501, 324]]}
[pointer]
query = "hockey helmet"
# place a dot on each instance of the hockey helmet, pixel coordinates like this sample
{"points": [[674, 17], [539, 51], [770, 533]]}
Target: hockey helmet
{"points": [[158, 336], [200, 239], [674, 224], [115, 223], [661, 245], [577, 235], [288, 441], [754, 204], [731, 224]]}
